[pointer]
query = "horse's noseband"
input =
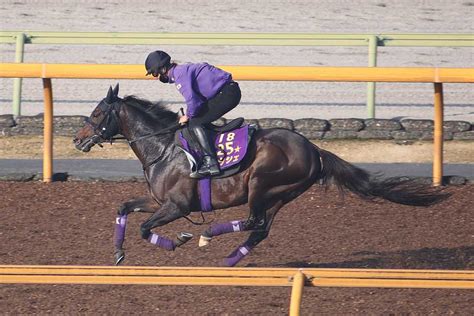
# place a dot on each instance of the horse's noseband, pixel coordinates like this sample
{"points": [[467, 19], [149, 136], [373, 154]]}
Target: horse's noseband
{"points": [[105, 129], [87, 144]]}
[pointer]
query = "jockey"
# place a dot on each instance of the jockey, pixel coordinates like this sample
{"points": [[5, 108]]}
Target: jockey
{"points": [[209, 93]]}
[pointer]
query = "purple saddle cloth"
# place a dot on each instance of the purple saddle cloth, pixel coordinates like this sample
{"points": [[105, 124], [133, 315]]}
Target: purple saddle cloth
{"points": [[230, 147]]}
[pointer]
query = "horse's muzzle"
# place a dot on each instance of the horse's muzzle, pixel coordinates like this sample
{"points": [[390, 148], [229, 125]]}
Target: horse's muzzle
{"points": [[85, 145]]}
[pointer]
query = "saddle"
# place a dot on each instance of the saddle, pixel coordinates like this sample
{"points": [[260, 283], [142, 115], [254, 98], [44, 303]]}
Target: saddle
{"points": [[230, 142]]}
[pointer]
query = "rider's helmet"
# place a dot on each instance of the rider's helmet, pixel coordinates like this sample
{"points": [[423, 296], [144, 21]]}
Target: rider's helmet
{"points": [[157, 63]]}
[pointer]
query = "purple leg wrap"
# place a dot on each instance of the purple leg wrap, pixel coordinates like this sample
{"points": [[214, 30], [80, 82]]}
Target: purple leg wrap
{"points": [[162, 242], [120, 225], [219, 229], [237, 255]]}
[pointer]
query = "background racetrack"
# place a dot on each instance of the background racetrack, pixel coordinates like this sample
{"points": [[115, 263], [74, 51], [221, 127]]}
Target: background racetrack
{"points": [[259, 99], [72, 223]]}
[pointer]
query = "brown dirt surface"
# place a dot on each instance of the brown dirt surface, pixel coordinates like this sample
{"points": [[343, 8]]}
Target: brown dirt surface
{"points": [[71, 223], [31, 147]]}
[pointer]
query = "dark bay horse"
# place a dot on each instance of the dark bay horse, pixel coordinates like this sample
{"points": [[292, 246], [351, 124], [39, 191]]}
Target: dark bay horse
{"points": [[280, 165]]}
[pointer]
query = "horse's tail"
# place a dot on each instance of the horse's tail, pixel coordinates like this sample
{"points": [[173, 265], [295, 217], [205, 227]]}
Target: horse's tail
{"points": [[403, 191]]}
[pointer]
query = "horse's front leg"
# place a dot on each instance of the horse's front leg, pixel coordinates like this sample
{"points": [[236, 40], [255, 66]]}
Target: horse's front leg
{"points": [[143, 204], [167, 213]]}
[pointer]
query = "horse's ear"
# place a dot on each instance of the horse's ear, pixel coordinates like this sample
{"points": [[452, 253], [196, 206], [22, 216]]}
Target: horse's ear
{"points": [[110, 95], [116, 90]]}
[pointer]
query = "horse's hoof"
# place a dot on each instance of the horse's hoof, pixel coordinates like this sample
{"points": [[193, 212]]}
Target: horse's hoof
{"points": [[119, 256], [183, 238], [204, 241]]}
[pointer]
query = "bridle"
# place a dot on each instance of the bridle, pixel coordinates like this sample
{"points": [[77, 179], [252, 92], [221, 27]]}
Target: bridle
{"points": [[108, 126], [110, 116], [103, 132]]}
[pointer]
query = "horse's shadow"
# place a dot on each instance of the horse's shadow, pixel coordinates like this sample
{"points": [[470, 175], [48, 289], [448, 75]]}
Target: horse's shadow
{"points": [[424, 258]]}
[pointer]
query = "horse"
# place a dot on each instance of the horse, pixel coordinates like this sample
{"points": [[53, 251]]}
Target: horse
{"points": [[279, 166]]}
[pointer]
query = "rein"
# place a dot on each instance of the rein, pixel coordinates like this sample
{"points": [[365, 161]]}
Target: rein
{"points": [[99, 133], [167, 130], [164, 131], [203, 219], [111, 116]]}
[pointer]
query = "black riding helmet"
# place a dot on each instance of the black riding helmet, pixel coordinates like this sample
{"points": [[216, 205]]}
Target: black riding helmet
{"points": [[157, 62]]}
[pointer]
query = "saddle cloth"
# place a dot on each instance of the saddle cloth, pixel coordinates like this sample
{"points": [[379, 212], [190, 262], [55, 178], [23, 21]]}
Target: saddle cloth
{"points": [[230, 147]]}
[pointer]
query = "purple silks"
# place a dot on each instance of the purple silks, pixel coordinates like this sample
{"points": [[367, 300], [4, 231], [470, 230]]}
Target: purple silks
{"points": [[224, 228], [162, 242], [120, 225]]}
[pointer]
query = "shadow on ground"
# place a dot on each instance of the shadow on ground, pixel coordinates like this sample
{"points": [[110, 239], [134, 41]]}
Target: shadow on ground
{"points": [[461, 258]]}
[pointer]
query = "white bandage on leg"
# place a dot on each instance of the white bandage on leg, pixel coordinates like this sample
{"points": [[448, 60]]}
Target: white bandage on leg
{"points": [[236, 226]]}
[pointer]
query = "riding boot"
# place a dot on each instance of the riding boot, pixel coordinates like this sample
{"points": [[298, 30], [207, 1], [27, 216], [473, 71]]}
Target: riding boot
{"points": [[209, 165]]}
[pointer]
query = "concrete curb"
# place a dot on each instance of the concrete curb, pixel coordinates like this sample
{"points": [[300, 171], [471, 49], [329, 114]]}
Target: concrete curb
{"points": [[121, 170]]}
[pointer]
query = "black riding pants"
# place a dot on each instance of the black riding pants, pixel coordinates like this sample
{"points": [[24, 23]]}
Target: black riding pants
{"points": [[215, 108]]}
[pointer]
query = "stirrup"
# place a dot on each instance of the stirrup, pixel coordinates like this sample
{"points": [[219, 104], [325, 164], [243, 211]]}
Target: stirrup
{"points": [[209, 171], [200, 175], [208, 168], [195, 175]]}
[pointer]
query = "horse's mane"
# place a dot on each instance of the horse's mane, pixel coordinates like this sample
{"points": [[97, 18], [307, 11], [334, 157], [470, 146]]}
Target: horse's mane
{"points": [[157, 110]]}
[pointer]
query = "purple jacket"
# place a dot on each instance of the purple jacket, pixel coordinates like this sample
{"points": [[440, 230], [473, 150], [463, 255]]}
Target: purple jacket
{"points": [[198, 83]]}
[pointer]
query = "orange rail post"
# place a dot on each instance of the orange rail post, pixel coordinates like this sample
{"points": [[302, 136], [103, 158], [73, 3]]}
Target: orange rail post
{"points": [[48, 131], [438, 135], [297, 293]]}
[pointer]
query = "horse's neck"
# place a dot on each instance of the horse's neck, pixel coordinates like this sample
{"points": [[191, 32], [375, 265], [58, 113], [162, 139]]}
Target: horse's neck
{"points": [[148, 148]]}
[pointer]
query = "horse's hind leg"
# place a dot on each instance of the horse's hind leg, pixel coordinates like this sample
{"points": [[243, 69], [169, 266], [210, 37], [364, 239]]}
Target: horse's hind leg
{"points": [[143, 204], [255, 237], [256, 221], [225, 228]]}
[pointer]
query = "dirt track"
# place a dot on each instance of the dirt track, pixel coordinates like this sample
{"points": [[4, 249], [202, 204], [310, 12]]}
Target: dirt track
{"points": [[72, 223]]}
